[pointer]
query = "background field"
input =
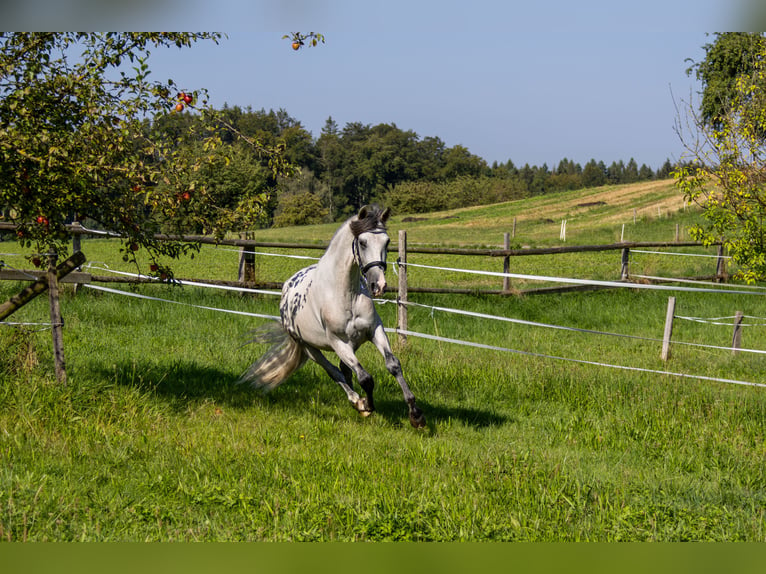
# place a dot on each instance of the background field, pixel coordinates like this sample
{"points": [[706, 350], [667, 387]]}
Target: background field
{"points": [[152, 440]]}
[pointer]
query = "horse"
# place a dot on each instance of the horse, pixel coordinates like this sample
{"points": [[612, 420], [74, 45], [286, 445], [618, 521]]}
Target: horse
{"points": [[328, 307]]}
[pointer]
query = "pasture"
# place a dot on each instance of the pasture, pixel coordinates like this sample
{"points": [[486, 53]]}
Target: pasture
{"points": [[152, 440]]}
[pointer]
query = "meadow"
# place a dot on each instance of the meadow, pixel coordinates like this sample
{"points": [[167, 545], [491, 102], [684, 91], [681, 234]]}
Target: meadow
{"points": [[152, 440]]}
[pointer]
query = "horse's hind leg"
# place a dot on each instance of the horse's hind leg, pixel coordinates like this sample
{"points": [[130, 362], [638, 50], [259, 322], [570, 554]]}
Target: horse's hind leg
{"points": [[366, 381], [360, 404], [348, 374], [350, 363]]}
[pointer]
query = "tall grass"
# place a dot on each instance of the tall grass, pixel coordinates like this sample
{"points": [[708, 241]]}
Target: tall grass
{"points": [[151, 439]]}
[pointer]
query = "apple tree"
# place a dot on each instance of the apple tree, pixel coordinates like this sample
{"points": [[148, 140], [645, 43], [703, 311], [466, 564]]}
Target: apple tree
{"points": [[79, 141]]}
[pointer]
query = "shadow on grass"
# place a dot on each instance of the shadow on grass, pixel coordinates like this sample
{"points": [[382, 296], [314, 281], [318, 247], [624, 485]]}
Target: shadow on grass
{"points": [[181, 383], [184, 383], [395, 412]]}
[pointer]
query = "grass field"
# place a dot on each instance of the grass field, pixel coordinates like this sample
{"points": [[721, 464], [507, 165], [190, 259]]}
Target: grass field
{"points": [[152, 440]]}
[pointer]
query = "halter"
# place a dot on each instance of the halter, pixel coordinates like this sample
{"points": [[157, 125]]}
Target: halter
{"points": [[358, 258]]}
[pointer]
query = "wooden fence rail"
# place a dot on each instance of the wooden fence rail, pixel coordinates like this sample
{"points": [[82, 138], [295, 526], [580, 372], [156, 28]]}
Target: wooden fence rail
{"points": [[78, 230], [247, 277], [246, 271]]}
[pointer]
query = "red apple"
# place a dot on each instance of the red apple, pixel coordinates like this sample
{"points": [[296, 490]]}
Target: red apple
{"points": [[179, 107], [188, 98], [153, 267]]}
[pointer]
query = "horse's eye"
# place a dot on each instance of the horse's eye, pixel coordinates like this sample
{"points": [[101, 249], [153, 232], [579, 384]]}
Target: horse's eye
{"points": [[363, 243]]}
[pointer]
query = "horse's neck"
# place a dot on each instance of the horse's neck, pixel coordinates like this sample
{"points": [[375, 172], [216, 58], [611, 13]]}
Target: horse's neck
{"points": [[338, 265]]}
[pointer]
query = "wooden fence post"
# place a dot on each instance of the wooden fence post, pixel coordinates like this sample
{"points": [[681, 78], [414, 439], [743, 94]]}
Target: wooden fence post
{"points": [[76, 237], [246, 266], [514, 228], [401, 297], [720, 267], [76, 247], [736, 339], [668, 328], [56, 321], [506, 262]]}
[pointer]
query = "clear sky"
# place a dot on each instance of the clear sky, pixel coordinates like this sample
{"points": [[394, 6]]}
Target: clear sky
{"points": [[532, 81]]}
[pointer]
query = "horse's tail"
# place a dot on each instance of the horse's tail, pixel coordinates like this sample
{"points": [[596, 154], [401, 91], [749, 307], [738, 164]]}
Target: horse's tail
{"points": [[283, 358]]}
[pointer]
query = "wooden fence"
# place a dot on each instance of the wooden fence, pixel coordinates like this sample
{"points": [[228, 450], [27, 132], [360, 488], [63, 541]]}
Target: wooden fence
{"points": [[246, 276], [48, 280]]}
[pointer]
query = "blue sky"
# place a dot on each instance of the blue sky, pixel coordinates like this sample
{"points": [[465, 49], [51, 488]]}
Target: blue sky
{"points": [[533, 82]]}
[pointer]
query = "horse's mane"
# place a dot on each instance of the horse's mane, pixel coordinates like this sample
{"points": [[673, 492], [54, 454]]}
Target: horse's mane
{"points": [[370, 218]]}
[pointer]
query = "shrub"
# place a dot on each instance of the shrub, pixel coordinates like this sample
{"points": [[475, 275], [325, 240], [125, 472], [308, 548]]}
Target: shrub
{"points": [[464, 191], [299, 209]]}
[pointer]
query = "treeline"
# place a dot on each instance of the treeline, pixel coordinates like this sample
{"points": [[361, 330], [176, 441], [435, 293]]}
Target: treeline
{"points": [[345, 168]]}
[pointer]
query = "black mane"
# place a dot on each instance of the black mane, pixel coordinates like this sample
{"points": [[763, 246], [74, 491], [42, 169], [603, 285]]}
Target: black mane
{"points": [[370, 218]]}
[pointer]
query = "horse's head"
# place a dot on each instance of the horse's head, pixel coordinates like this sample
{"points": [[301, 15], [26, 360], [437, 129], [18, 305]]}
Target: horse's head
{"points": [[371, 246]]}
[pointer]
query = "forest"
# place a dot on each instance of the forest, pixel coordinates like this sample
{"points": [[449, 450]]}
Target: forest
{"points": [[345, 168]]}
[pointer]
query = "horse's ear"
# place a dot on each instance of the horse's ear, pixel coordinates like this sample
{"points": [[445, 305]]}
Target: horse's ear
{"points": [[385, 214], [362, 213]]}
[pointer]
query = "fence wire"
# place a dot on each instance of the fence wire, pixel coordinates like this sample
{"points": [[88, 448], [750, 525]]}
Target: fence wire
{"points": [[616, 284]]}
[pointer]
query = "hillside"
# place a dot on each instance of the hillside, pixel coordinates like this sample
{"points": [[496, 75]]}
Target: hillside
{"points": [[594, 215]]}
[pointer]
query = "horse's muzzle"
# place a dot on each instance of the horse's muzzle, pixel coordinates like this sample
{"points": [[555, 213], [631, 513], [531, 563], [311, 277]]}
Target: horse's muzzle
{"points": [[376, 281]]}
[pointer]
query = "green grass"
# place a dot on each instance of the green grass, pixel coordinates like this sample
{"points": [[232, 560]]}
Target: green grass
{"points": [[152, 440]]}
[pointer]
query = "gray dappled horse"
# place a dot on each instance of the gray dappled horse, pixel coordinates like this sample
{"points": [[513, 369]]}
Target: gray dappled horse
{"points": [[328, 307]]}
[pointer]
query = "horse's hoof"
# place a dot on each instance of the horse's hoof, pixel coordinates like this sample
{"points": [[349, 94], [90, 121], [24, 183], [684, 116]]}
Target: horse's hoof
{"points": [[363, 406], [417, 418]]}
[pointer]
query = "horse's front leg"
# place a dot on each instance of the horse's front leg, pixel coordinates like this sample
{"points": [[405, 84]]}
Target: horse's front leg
{"points": [[380, 340]]}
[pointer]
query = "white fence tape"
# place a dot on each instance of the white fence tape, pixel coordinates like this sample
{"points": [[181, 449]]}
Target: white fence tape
{"points": [[721, 286], [563, 328], [719, 321], [680, 254], [98, 232], [187, 283], [307, 257], [442, 339], [574, 281], [580, 361], [443, 309], [147, 297], [510, 320], [43, 326]]}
